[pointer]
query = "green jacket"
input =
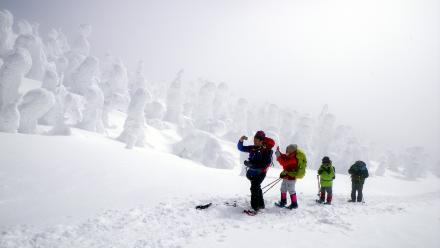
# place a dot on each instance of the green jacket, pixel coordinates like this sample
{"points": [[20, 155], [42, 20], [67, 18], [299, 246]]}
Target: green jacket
{"points": [[326, 174]]}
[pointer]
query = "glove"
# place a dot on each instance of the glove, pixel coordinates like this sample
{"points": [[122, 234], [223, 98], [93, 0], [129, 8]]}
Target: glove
{"points": [[283, 174], [247, 163]]}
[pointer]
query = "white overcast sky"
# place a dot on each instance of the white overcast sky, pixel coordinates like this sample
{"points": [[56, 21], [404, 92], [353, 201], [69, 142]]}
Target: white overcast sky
{"points": [[375, 62]]}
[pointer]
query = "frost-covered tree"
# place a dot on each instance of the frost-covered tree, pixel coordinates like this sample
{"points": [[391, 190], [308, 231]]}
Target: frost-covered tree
{"points": [[155, 110], [323, 133], [6, 33], [10, 118], [134, 133], [220, 104], [85, 75], [174, 101], [30, 39], [414, 162], [239, 118], [56, 45], [203, 112], [34, 105], [303, 135], [287, 127], [137, 80], [92, 114], [15, 66], [51, 82], [81, 44], [57, 113], [205, 148], [115, 88]]}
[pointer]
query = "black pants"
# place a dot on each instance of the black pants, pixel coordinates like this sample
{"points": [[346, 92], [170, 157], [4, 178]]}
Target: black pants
{"points": [[257, 201], [356, 186]]}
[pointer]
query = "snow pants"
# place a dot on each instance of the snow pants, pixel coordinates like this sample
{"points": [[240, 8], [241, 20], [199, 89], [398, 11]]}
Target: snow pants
{"points": [[257, 201], [356, 186], [329, 191], [288, 186]]}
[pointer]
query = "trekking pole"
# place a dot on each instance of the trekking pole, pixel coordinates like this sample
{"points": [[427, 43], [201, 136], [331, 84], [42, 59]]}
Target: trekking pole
{"points": [[275, 181], [271, 186], [319, 185]]}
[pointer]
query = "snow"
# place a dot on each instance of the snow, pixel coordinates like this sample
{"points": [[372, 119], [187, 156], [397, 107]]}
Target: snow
{"points": [[86, 190], [70, 182]]}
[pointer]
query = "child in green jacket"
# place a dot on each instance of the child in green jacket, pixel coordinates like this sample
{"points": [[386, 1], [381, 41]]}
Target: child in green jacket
{"points": [[326, 174]]}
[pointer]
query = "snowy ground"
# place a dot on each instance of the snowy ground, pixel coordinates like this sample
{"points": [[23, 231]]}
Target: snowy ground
{"points": [[86, 190]]}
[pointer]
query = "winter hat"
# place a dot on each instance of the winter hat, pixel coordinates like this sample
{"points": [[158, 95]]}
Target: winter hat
{"points": [[326, 160], [260, 135], [292, 147]]}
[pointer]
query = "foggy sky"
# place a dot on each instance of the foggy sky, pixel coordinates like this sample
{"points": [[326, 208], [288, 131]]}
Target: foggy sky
{"points": [[376, 62]]}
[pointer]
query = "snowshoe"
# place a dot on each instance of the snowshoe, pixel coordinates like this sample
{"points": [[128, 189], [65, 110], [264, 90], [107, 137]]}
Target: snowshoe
{"points": [[293, 206], [281, 204], [200, 207], [250, 212], [231, 204], [319, 201]]}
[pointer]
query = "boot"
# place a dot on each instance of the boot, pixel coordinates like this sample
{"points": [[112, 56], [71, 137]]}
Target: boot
{"points": [[294, 201], [321, 197], [329, 199], [283, 201]]}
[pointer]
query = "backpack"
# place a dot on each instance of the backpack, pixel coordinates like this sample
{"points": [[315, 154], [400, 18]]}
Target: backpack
{"points": [[300, 170]]}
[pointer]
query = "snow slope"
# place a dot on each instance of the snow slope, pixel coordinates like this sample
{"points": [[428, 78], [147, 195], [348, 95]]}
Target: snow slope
{"points": [[86, 190]]}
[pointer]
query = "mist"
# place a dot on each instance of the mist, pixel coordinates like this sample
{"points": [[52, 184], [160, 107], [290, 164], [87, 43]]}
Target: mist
{"points": [[375, 63]]}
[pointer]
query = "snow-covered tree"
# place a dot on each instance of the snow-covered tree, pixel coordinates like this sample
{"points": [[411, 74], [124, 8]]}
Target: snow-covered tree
{"points": [[34, 105], [10, 118], [174, 101], [57, 113], [134, 133], [15, 66], [413, 162], [56, 45], [30, 39], [137, 80], [203, 112], [115, 88], [155, 110], [92, 114], [51, 82], [205, 148], [85, 75], [81, 44], [220, 104], [6, 33]]}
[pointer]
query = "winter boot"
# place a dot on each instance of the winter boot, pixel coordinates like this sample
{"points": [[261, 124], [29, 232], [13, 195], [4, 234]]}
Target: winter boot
{"points": [[283, 201], [294, 203], [329, 199], [321, 197]]}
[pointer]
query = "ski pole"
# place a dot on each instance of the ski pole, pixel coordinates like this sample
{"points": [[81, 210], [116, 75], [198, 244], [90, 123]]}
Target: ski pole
{"points": [[319, 185], [275, 181], [271, 186]]}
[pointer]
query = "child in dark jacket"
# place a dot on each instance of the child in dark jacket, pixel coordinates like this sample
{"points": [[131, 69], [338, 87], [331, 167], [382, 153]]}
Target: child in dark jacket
{"points": [[289, 163], [326, 176]]}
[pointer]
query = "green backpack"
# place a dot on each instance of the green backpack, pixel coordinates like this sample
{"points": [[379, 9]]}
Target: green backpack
{"points": [[300, 171]]}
